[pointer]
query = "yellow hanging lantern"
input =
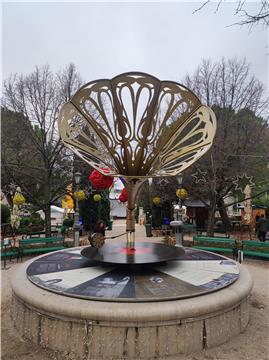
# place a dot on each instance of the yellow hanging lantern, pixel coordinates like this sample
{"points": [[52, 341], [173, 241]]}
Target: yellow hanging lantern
{"points": [[18, 199], [182, 193], [156, 200], [96, 197], [67, 201], [80, 195]]}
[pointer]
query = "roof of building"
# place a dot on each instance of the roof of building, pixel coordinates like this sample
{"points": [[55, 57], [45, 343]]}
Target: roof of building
{"points": [[195, 203]]}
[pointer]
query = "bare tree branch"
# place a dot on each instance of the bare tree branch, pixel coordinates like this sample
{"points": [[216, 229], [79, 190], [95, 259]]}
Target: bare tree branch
{"points": [[41, 156], [200, 8], [261, 17], [242, 138]]}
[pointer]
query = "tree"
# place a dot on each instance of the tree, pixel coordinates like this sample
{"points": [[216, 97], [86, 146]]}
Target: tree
{"points": [[263, 201], [228, 84], [14, 127], [242, 138], [165, 188], [260, 17], [33, 155], [92, 211]]}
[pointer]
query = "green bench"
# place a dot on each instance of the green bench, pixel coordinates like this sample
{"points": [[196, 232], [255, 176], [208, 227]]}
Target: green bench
{"points": [[216, 244], [7, 249], [256, 248], [40, 245], [200, 232], [33, 234]]}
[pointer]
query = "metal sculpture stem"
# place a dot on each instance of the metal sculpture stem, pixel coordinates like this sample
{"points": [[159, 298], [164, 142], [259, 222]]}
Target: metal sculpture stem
{"points": [[132, 187]]}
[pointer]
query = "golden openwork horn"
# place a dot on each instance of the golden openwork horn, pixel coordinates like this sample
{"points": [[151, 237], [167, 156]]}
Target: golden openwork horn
{"points": [[138, 127]]}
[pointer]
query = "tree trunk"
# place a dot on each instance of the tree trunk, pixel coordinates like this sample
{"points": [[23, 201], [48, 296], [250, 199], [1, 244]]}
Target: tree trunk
{"points": [[223, 213], [47, 196], [211, 218], [47, 220]]}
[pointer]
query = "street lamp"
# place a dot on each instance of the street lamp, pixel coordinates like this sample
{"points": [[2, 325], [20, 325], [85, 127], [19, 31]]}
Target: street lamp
{"points": [[77, 177], [179, 179], [76, 226], [177, 223]]}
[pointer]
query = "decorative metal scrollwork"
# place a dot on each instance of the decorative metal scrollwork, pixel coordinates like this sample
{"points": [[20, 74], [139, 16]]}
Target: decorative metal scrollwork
{"points": [[137, 126]]}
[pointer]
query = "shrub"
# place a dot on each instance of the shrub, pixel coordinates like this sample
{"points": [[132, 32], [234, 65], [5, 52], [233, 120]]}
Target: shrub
{"points": [[68, 222], [5, 214], [25, 221], [36, 219], [31, 223], [92, 211], [105, 210]]}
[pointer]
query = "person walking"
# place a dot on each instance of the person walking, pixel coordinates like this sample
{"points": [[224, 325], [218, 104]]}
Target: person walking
{"points": [[262, 228]]}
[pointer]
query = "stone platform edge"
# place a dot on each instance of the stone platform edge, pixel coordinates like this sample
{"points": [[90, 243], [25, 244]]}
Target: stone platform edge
{"points": [[78, 329], [81, 309]]}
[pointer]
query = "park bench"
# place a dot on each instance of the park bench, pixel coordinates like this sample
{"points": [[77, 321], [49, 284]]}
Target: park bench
{"points": [[216, 244], [256, 248], [40, 245], [7, 249], [33, 234], [200, 232]]}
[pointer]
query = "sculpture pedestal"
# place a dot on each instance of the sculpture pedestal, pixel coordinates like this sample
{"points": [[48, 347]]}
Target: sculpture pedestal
{"points": [[81, 310]]}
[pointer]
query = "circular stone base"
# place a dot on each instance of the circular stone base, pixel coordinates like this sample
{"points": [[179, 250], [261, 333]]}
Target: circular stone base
{"points": [[78, 328]]}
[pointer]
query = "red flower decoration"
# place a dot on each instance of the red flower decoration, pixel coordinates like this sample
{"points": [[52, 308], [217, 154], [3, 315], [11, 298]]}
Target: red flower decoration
{"points": [[100, 181], [123, 196]]}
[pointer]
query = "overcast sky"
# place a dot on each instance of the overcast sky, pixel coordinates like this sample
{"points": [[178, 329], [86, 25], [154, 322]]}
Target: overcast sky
{"points": [[105, 39]]}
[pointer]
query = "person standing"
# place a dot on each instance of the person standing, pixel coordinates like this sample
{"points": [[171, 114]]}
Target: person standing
{"points": [[235, 250], [262, 228], [257, 218]]}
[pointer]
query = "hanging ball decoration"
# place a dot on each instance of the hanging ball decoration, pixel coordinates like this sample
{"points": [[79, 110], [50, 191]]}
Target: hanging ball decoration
{"points": [[68, 202], [97, 240], [156, 200], [123, 196], [18, 199], [80, 195], [100, 181], [182, 193], [96, 197]]}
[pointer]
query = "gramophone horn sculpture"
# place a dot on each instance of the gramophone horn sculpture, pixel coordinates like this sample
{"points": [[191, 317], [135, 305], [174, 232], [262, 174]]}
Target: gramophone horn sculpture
{"points": [[139, 127]]}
